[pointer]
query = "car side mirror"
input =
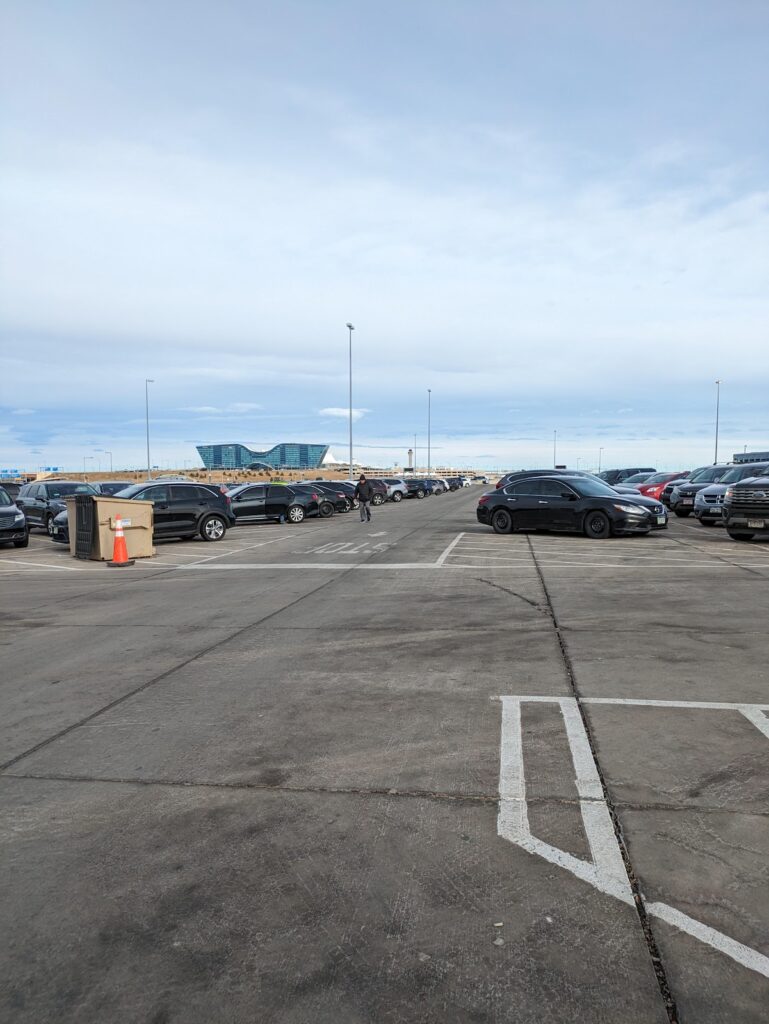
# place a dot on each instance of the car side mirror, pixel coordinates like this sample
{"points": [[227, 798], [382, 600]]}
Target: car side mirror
{"points": [[569, 495]]}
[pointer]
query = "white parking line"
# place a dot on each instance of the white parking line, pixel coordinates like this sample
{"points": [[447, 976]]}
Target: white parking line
{"points": [[447, 551], [606, 871], [42, 565]]}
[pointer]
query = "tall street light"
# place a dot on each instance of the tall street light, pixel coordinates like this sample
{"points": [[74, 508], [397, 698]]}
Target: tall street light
{"points": [[429, 413], [86, 458], [718, 409], [147, 383], [110, 458], [350, 329], [555, 447], [600, 454]]}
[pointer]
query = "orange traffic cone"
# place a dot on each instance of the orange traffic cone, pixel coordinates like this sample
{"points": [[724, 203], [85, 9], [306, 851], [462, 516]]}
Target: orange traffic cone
{"points": [[119, 551]]}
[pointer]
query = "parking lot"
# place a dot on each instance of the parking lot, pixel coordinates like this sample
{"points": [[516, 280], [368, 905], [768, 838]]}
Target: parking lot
{"points": [[404, 771]]}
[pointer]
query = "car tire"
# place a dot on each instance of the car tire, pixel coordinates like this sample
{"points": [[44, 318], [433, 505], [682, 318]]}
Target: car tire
{"points": [[597, 526], [397, 496], [502, 521], [325, 510], [682, 515], [741, 536], [295, 514], [377, 499], [213, 528], [49, 525], [24, 543], [420, 493]]}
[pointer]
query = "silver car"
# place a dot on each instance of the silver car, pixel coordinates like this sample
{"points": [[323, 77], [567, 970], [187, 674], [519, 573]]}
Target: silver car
{"points": [[396, 488], [709, 502]]}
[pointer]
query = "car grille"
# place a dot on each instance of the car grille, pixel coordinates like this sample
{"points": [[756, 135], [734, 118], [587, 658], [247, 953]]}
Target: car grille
{"points": [[756, 497], [7, 518], [712, 499]]}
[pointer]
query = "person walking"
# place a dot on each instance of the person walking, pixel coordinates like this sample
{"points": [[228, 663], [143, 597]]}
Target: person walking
{"points": [[364, 492]]}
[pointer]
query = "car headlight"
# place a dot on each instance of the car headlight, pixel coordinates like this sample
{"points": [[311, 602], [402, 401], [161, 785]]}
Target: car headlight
{"points": [[19, 517], [633, 510], [729, 492]]}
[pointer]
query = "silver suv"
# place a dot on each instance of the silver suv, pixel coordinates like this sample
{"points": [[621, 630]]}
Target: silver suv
{"points": [[709, 502], [396, 488]]}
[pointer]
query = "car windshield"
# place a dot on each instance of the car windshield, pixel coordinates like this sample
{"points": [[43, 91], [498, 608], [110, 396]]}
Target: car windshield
{"points": [[128, 492], [5, 498], [590, 488], [59, 490], [708, 475], [636, 478], [739, 473]]}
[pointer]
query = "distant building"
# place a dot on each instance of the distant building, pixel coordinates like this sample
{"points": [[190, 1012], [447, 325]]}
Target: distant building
{"points": [[281, 456], [751, 457]]}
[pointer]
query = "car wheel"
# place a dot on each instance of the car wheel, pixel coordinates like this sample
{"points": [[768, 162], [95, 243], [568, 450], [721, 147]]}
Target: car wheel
{"points": [[741, 536], [377, 499], [682, 515], [597, 525], [397, 496], [325, 509], [213, 528], [502, 521], [23, 543], [295, 514], [420, 493], [49, 525]]}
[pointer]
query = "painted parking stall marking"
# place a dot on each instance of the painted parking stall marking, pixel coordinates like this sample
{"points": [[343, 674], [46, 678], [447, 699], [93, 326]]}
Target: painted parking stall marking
{"points": [[606, 869]]}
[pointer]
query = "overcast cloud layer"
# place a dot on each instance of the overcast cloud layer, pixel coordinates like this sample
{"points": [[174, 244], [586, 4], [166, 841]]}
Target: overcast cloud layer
{"points": [[555, 215]]}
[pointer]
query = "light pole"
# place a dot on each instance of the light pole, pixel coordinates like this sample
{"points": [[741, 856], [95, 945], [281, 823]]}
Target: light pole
{"points": [[555, 446], [600, 453], [104, 450], [147, 383], [86, 458], [718, 409], [350, 329], [415, 453], [429, 413]]}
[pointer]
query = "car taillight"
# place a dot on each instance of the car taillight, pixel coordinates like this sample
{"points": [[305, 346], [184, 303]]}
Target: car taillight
{"points": [[314, 497], [483, 499], [498, 484]]}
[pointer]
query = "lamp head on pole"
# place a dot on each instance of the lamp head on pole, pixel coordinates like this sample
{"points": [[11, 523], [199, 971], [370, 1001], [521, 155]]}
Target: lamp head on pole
{"points": [[350, 327]]}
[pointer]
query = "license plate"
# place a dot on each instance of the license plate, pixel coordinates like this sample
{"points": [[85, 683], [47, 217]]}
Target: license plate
{"points": [[756, 524], [688, 501], [661, 520], [55, 530]]}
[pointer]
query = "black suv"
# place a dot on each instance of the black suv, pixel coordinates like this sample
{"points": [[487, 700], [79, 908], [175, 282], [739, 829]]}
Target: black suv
{"points": [[42, 502], [616, 476], [255, 503], [13, 525], [746, 508], [337, 500], [418, 488], [575, 504], [184, 510]]}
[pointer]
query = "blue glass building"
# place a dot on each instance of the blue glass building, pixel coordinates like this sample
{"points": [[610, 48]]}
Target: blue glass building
{"points": [[281, 456]]}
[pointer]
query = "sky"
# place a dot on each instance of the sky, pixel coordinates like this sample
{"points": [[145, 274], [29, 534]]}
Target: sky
{"points": [[553, 215]]}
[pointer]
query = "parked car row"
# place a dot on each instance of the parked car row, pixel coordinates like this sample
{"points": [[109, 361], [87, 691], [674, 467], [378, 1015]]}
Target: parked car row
{"points": [[735, 495], [189, 509]]}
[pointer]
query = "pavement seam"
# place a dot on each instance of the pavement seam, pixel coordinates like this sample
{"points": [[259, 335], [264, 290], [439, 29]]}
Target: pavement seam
{"points": [[721, 558], [648, 933], [408, 794]]}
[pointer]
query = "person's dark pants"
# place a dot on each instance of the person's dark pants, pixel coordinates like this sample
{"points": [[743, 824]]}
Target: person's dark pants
{"points": [[365, 512]]}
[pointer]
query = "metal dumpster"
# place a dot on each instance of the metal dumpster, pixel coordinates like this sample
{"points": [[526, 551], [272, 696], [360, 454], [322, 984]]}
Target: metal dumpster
{"points": [[92, 526]]}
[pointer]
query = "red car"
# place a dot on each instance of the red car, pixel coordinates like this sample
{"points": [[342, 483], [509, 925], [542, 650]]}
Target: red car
{"points": [[655, 485]]}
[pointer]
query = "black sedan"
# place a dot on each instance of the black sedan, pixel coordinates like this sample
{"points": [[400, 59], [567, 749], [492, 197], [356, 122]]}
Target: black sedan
{"points": [[332, 491], [571, 504], [13, 523]]}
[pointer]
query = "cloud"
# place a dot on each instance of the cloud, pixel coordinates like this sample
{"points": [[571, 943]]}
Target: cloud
{"points": [[344, 414], [23, 412], [233, 409]]}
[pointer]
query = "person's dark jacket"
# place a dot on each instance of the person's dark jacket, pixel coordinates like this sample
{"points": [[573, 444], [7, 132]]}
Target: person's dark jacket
{"points": [[364, 491]]}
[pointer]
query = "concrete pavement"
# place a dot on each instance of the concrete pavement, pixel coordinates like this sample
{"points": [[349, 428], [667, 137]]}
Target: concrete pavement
{"points": [[260, 780]]}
